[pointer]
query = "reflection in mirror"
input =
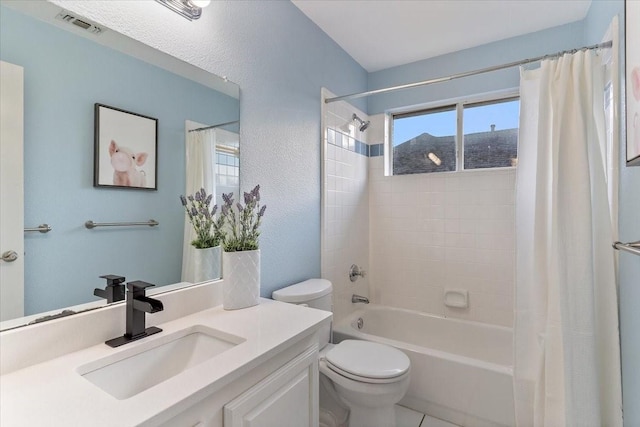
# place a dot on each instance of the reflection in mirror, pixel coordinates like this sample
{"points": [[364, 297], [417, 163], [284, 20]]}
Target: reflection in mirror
{"points": [[66, 71], [210, 150], [226, 155]]}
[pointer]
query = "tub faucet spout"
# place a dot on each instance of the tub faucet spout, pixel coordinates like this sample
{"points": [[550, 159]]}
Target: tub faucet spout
{"points": [[358, 298]]}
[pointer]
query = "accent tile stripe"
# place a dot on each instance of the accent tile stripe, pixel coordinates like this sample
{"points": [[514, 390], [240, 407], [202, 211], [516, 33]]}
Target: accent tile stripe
{"points": [[376, 150], [339, 139]]}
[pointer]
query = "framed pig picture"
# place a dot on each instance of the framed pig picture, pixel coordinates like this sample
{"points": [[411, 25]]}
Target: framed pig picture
{"points": [[632, 73], [125, 149]]}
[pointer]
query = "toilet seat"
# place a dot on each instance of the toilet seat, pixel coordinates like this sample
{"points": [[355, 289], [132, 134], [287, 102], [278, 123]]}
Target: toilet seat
{"points": [[368, 362], [359, 379]]}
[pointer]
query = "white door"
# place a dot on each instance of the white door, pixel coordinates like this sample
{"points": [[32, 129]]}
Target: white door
{"points": [[11, 192]]}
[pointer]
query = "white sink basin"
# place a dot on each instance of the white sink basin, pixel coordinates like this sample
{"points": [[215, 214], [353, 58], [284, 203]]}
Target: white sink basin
{"points": [[136, 369]]}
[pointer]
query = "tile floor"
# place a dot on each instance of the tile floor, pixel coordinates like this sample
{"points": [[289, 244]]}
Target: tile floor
{"points": [[406, 417]]}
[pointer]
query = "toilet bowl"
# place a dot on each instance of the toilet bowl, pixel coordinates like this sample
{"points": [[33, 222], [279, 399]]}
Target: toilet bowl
{"points": [[369, 378], [364, 378]]}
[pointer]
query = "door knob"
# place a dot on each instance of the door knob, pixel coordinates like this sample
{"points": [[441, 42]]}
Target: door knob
{"points": [[9, 256]]}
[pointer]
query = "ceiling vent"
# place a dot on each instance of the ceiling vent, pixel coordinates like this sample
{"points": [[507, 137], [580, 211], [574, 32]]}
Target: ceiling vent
{"points": [[83, 23]]}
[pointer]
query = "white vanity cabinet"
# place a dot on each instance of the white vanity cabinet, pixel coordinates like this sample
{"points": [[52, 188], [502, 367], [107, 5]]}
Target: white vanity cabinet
{"points": [[288, 397], [269, 378], [282, 392]]}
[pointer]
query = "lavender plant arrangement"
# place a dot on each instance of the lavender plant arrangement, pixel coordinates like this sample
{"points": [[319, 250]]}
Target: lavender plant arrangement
{"points": [[205, 261], [209, 229], [241, 256], [244, 221]]}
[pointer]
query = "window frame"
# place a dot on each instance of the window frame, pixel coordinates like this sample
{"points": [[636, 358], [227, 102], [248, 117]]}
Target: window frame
{"points": [[458, 105]]}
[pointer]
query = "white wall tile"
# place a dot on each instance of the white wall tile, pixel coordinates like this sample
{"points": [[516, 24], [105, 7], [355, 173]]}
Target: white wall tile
{"points": [[415, 234], [454, 229], [345, 227]]}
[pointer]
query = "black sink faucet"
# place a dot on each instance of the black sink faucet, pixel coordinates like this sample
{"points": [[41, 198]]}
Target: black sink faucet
{"points": [[137, 305], [114, 291]]}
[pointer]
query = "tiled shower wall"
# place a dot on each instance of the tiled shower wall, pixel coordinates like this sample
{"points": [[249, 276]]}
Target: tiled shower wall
{"points": [[345, 201], [417, 236], [434, 232]]}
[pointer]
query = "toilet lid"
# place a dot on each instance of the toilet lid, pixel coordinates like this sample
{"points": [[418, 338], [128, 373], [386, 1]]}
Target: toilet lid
{"points": [[368, 359], [303, 291]]}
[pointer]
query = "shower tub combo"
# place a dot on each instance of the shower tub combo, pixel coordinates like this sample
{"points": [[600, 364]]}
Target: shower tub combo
{"points": [[461, 371]]}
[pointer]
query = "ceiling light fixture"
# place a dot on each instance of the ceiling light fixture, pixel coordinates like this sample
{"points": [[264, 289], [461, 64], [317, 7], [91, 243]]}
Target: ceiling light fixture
{"points": [[190, 9]]}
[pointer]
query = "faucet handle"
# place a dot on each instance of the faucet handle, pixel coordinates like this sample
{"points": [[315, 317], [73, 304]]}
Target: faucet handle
{"points": [[356, 271], [112, 279], [138, 285]]}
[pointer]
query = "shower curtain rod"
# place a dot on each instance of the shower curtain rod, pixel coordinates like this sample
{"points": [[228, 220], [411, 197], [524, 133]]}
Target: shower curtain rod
{"points": [[465, 74], [631, 247], [215, 126]]}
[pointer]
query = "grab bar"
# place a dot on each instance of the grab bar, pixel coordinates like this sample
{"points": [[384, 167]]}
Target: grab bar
{"points": [[631, 247], [90, 224], [43, 228]]}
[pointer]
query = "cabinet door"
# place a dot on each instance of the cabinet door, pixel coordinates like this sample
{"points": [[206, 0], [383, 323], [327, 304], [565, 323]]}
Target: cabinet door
{"points": [[286, 398]]}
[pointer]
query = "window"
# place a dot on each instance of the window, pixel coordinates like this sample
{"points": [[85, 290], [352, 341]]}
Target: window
{"points": [[425, 141], [465, 135], [491, 134]]}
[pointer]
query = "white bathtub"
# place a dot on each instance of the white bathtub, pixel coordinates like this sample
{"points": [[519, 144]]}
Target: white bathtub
{"points": [[461, 371]]}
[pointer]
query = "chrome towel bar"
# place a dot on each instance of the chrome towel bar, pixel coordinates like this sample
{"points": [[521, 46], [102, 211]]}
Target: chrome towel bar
{"points": [[43, 228], [631, 247], [90, 224]]}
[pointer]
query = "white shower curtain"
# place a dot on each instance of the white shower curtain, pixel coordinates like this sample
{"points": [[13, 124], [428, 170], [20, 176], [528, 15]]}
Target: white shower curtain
{"points": [[566, 344], [200, 173]]}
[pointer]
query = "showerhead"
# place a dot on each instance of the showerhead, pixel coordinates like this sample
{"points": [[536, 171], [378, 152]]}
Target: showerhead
{"points": [[363, 125]]}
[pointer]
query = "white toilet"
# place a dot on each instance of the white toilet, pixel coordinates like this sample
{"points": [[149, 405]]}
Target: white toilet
{"points": [[366, 378]]}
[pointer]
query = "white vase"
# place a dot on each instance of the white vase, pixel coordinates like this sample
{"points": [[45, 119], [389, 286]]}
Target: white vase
{"points": [[206, 264], [241, 274]]}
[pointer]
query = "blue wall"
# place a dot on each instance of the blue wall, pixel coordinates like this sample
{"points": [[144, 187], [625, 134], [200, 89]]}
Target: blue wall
{"points": [[596, 23], [281, 60], [76, 73], [501, 52]]}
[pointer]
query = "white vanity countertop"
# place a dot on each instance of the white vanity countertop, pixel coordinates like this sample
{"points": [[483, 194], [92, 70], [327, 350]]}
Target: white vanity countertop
{"points": [[53, 393]]}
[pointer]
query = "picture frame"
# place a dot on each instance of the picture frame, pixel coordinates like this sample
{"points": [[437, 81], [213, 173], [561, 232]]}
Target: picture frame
{"points": [[125, 149], [632, 78]]}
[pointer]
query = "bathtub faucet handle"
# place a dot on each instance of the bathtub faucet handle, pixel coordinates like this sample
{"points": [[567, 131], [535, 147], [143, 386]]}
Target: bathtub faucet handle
{"points": [[356, 271]]}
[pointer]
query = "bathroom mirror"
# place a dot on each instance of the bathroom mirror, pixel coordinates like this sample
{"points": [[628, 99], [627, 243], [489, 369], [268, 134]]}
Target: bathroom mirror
{"points": [[70, 64]]}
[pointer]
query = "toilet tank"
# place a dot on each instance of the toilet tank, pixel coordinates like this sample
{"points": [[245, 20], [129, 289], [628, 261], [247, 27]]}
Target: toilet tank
{"points": [[314, 293]]}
